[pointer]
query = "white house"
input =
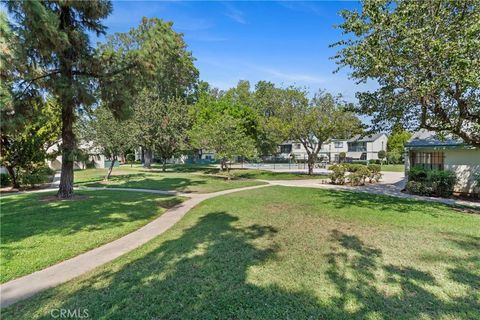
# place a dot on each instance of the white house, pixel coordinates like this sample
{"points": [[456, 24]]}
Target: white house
{"points": [[356, 148], [94, 157], [431, 151]]}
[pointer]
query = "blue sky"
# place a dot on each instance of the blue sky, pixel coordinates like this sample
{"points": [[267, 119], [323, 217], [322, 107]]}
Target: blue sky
{"points": [[283, 42]]}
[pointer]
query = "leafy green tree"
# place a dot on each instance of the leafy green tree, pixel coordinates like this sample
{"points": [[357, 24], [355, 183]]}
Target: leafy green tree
{"points": [[111, 136], [164, 68], [268, 101], [425, 56], [28, 130], [312, 123], [382, 154], [6, 57], [53, 54], [225, 135], [396, 143], [209, 107], [160, 125]]}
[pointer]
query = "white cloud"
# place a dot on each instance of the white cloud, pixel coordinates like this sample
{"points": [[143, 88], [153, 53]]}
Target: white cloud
{"points": [[293, 76], [235, 14]]}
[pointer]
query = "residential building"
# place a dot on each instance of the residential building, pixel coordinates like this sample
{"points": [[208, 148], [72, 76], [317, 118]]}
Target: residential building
{"points": [[357, 148], [431, 151], [95, 157]]}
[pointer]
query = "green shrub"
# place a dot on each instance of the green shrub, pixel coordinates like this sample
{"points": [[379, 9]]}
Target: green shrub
{"points": [[358, 177], [353, 167], [5, 180], [394, 157], [442, 182], [417, 187], [438, 183], [375, 174], [360, 162], [36, 176], [417, 174], [382, 154], [338, 174]]}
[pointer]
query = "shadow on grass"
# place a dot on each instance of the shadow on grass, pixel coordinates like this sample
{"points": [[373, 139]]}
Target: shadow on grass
{"points": [[141, 181], [23, 216], [203, 274], [354, 267]]}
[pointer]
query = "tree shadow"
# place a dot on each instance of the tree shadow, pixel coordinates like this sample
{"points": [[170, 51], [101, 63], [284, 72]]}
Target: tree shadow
{"points": [[141, 181], [24, 216], [203, 273], [355, 269]]}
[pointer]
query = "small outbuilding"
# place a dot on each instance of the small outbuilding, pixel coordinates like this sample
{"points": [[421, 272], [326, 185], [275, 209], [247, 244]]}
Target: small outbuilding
{"points": [[432, 151]]}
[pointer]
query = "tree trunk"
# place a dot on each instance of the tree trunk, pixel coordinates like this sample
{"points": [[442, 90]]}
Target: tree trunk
{"points": [[13, 176], [311, 163], [164, 168], [223, 164], [147, 163], [228, 171], [109, 173], [65, 190], [67, 101], [142, 157]]}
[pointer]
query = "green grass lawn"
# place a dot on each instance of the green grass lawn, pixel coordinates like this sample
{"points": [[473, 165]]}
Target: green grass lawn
{"points": [[37, 233], [289, 253], [190, 179], [265, 174], [393, 167]]}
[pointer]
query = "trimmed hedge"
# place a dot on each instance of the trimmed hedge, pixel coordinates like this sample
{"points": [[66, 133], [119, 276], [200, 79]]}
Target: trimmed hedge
{"points": [[439, 183]]}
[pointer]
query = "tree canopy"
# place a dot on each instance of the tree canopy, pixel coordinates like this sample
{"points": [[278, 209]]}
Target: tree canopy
{"points": [[313, 122], [160, 125], [425, 57]]}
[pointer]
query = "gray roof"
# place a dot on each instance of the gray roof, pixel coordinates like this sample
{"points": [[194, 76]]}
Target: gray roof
{"points": [[370, 138], [425, 138]]}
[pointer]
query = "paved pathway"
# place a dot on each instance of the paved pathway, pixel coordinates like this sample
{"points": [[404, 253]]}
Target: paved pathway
{"points": [[26, 286], [391, 185]]}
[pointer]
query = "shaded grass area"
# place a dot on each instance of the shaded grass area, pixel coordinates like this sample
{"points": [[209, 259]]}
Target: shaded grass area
{"points": [[37, 232], [294, 253], [191, 179]]}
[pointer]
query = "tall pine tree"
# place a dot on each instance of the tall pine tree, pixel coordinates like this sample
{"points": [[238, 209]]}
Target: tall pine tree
{"points": [[53, 54]]}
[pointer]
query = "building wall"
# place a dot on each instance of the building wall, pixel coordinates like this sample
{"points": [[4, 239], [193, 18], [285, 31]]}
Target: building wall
{"points": [[375, 146], [98, 160], [465, 163]]}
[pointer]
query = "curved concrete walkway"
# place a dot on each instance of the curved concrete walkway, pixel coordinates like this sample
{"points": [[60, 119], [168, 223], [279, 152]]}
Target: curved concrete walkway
{"points": [[383, 188], [26, 286]]}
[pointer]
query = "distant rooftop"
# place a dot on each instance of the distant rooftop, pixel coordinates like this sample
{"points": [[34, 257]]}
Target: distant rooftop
{"points": [[425, 138], [370, 138]]}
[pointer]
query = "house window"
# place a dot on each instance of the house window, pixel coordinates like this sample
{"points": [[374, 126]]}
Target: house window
{"points": [[428, 160], [286, 148], [338, 144], [298, 146], [357, 146]]}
